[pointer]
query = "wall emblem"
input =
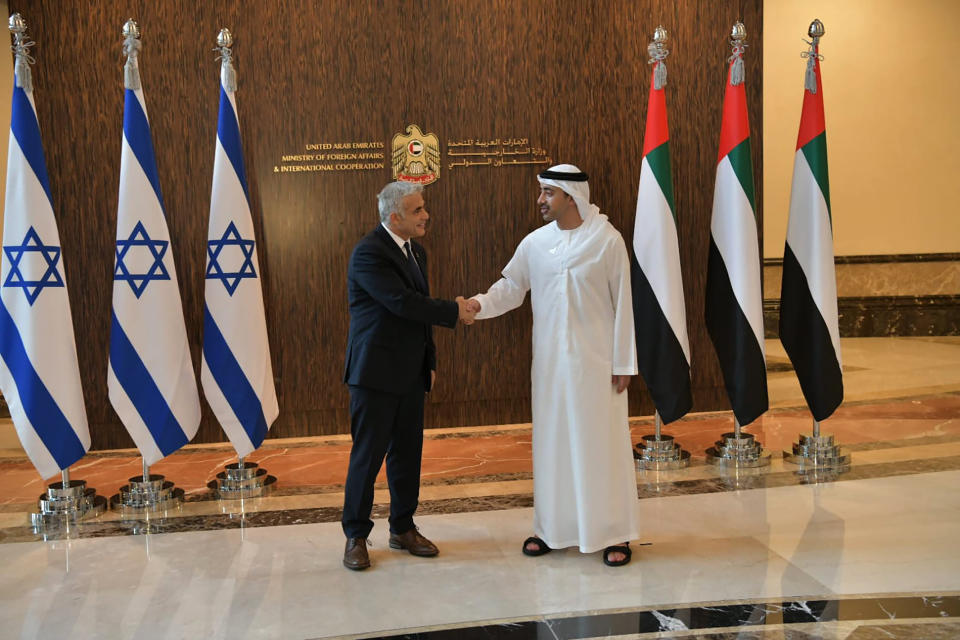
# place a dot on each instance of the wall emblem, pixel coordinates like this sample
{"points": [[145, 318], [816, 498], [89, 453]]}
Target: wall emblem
{"points": [[416, 157]]}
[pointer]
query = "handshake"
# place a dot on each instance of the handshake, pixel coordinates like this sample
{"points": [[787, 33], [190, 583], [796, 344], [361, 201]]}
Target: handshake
{"points": [[468, 309]]}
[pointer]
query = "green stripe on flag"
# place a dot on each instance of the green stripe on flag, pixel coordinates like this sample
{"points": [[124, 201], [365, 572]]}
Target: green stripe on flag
{"points": [[659, 160], [743, 167], [815, 152]]}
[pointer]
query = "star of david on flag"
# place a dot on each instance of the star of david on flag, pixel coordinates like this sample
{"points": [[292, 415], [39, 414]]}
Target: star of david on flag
{"points": [[139, 280], [215, 271], [150, 377], [236, 372], [39, 371], [15, 277]]}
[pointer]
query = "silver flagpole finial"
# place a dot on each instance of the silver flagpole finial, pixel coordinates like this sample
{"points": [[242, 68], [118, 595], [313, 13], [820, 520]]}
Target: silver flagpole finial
{"points": [[738, 34], [658, 53], [21, 47], [812, 54], [228, 75], [816, 29], [131, 48]]}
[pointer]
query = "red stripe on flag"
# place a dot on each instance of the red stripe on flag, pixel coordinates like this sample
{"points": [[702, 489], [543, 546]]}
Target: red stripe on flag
{"points": [[735, 127], [657, 132], [812, 122]]}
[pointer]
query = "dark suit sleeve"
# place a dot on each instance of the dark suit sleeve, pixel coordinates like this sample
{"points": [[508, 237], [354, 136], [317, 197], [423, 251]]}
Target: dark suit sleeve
{"points": [[431, 352], [378, 276]]}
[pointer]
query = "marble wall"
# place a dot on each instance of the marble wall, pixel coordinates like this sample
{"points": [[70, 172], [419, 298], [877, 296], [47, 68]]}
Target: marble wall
{"points": [[893, 295]]}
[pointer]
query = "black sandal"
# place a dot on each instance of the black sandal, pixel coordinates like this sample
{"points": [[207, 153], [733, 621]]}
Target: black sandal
{"points": [[619, 548], [541, 549]]}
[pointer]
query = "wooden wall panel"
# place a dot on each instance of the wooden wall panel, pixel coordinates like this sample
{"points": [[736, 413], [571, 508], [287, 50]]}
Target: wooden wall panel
{"points": [[571, 77]]}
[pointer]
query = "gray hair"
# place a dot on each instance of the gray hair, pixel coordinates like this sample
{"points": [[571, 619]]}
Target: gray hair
{"points": [[390, 198]]}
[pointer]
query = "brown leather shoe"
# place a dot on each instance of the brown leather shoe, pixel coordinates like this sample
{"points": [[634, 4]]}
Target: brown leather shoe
{"points": [[355, 554], [413, 542]]}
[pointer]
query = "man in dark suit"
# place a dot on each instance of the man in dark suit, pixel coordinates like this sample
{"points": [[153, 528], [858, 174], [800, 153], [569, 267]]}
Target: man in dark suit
{"points": [[391, 362]]}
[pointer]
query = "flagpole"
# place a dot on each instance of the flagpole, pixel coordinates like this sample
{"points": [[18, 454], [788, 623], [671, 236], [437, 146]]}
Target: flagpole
{"points": [[658, 451], [736, 449], [241, 480], [66, 502], [821, 379]]}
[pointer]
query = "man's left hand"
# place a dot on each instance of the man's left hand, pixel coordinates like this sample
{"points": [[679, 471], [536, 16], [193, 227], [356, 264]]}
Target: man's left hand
{"points": [[621, 383], [433, 378]]}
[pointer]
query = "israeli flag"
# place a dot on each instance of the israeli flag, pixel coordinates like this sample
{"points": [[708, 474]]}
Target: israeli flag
{"points": [[150, 378], [237, 376], [39, 373]]}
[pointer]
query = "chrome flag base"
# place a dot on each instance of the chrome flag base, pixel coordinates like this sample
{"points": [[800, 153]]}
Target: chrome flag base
{"points": [[242, 480], [818, 452], [146, 496], [738, 450], [659, 451], [65, 504]]}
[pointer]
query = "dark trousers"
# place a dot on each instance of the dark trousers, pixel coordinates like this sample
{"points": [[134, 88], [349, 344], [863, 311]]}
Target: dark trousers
{"points": [[391, 425]]}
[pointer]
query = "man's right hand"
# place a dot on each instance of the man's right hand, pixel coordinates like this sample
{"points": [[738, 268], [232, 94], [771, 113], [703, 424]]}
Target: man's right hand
{"points": [[468, 309]]}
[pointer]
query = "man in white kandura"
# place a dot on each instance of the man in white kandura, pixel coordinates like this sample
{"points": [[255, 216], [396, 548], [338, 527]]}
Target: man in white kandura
{"points": [[584, 352]]}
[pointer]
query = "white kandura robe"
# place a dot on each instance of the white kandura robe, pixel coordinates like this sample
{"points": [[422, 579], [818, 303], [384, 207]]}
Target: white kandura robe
{"points": [[584, 478]]}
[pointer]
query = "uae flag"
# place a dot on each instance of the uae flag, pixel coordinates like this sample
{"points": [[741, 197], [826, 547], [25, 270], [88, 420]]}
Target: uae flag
{"points": [[663, 350], [808, 298], [734, 302]]}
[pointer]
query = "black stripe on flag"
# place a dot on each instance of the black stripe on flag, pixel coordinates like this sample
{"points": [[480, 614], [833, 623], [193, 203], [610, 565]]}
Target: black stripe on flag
{"points": [[660, 357], [741, 360], [806, 339]]}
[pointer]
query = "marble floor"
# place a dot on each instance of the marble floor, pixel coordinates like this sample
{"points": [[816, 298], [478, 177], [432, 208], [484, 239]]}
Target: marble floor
{"points": [[768, 553]]}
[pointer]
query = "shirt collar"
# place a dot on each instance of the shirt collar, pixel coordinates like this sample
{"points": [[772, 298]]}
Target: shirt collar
{"points": [[400, 241]]}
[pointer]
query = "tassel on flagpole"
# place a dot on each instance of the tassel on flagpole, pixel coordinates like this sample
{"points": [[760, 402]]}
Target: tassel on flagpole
{"points": [[21, 48], [131, 48], [228, 75], [737, 36], [658, 57], [812, 55]]}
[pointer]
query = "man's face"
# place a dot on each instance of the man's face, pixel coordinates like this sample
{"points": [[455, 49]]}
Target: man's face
{"points": [[412, 221], [553, 202]]}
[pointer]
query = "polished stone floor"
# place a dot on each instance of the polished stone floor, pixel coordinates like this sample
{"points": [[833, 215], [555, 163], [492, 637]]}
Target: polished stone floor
{"points": [[766, 553]]}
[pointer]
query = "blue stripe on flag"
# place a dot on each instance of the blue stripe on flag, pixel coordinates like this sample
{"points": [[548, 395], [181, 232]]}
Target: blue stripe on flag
{"points": [[143, 392], [26, 129], [233, 381], [42, 410], [228, 130], [136, 129]]}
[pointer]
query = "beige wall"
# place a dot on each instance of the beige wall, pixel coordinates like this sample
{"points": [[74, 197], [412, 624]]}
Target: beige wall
{"points": [[892, 100]]}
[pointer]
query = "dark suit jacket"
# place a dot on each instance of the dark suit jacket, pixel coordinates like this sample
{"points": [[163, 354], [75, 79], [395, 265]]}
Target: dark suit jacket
{"points": [[390, 342]]}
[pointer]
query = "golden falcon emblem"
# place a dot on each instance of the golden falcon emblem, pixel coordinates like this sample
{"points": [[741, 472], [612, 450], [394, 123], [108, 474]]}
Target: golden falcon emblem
{"points": [[416, 157]]}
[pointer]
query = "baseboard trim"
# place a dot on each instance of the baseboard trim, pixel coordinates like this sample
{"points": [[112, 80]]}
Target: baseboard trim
{"points": [[885, 316], [881, 258]]}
